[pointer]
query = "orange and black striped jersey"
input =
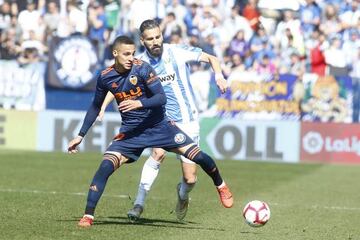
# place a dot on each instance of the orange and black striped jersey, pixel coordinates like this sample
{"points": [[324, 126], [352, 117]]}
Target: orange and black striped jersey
{"points": [[139, 83]]}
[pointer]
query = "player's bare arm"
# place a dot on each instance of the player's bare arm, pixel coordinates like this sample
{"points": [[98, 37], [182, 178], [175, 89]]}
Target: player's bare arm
{"points": [[215, 65], [108, 99]]}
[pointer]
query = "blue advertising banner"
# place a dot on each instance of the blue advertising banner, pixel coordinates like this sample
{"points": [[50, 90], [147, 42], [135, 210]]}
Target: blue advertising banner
{"points": [[261, 98]]}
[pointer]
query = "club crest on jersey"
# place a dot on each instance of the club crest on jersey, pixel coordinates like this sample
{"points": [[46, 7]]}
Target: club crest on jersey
{"points": [[133, 79], [180, 138]]}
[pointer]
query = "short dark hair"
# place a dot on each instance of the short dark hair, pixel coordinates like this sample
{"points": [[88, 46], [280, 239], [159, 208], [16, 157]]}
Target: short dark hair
{"points": [[123, 40], [148, 24]]}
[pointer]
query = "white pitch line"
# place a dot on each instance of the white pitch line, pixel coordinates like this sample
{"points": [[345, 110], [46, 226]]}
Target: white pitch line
{"points": [[57, 193], [322, 207], [339, 208]]}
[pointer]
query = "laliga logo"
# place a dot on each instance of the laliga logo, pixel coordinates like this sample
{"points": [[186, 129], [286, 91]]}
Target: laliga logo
{"points": [[313, 142]]}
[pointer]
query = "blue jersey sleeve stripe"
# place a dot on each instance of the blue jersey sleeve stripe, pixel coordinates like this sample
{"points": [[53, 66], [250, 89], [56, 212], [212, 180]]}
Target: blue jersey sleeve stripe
{"points": [[181, 86], [189, 83]]}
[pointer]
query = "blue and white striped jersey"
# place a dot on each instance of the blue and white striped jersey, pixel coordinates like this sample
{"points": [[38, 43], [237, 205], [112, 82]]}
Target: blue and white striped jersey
{"points": [[174, 74]]}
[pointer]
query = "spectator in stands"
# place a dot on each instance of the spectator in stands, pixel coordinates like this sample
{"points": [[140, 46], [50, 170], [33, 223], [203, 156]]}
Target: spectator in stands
{"points": [[239, 45], [34, 42], [209, 44], [191, 18], [289, 28], [112, 12], [235, 23], [9, 45], [6, 13], [257, 42], [29, 56], [335, 58], [310, 16], [51, 20], [252, 14], [264, 66], [330, 24], [30, 20], [194, 38], [317, 58], [175, 38], [97, 27], [297, 65], [349, 47], [139, 11], [77, 19], [351, 15], [170, 25], [178, 9], [237, 63], [222, 7], [205, 24]]}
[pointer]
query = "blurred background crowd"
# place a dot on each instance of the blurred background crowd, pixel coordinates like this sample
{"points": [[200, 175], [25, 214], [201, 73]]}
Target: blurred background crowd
{"points": [[269, 36], [292, 66]]}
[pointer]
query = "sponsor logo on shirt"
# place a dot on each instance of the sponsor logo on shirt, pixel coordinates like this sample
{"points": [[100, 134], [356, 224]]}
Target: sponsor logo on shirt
{"points": [[167, 78], [131, 94]]}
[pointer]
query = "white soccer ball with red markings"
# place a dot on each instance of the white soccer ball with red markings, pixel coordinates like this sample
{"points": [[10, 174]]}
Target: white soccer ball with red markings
{"points": [[256, 213]]}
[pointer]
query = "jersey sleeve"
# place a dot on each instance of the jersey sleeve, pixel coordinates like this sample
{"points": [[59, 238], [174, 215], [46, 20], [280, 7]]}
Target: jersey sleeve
{"points": [[187, 53], [94, 109], [154, 86]]}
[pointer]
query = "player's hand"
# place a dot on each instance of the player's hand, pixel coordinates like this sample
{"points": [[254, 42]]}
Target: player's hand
{"points": [[221, 82], [72, 147], [129, 105]]}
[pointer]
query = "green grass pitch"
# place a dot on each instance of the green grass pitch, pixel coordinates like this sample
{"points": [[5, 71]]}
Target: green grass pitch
{"points": [[42, 196]]}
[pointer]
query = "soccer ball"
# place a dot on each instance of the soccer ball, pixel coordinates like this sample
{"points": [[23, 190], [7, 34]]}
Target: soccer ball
{"points": [[256, 213]]}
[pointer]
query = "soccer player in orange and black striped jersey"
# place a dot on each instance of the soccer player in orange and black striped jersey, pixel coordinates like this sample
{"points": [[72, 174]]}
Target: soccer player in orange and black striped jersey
{"points": [[141, 100]]}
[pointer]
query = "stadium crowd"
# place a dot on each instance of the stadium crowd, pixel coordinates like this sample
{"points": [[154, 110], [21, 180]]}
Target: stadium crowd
{"points": [[318, 36]]}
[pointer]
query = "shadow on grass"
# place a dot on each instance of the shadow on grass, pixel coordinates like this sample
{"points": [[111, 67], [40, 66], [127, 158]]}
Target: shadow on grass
{"points": [[147, 222]]}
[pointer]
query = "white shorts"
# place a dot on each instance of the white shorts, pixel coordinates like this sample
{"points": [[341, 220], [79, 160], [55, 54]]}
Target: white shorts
{"points": [[192, 129]]}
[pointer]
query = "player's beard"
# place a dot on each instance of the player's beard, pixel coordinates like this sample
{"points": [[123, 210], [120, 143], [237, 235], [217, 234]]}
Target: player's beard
{"points": [[155, 51]]}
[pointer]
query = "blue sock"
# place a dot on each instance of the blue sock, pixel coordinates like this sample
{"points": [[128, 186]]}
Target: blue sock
{"points": [[206, 163], [98, 185]]}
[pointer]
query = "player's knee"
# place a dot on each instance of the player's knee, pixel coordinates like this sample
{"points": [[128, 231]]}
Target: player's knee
{"points": [[190, 179], [158, 155], [113, 159], [145, 186]]}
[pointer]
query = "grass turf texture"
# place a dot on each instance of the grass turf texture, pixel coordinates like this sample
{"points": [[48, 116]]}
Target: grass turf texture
{"points": [[43, 195]]}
